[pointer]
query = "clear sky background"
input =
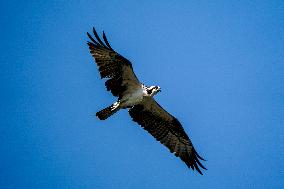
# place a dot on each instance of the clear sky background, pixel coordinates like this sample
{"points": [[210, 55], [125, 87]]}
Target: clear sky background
{"points": [[221, 68]]}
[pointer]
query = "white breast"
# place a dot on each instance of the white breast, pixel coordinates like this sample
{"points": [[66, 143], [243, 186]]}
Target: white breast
{"points": [[132, 98]]}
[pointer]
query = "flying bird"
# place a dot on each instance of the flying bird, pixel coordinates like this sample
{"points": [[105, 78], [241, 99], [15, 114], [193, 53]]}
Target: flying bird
{"points": [[122, 82]]}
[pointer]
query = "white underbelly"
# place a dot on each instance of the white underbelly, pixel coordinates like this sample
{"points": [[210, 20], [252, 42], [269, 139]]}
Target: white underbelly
{"points": [[132, 99]]}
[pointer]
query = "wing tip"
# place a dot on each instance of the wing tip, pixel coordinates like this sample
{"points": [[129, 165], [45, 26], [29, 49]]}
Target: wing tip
{"points": [[197, 163], [97, 41], [106, 41], [98, 38]]}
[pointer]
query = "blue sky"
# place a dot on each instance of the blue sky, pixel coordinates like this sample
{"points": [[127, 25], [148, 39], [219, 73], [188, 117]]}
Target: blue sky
{"points": [[221, 68]]}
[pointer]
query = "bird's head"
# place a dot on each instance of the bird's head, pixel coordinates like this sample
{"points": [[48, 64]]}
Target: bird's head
{"points": [[151, 91]]}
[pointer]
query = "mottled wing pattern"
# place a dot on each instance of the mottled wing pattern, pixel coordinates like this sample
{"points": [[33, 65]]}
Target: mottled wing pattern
{"points": [[117, 69], [166, 129]]}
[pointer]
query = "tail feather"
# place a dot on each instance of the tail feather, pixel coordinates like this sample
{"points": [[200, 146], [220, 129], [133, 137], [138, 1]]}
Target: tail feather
{"points": [[107, 112]]}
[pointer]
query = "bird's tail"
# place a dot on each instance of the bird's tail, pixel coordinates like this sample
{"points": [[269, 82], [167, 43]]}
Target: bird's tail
{"points": [[107, 112]]}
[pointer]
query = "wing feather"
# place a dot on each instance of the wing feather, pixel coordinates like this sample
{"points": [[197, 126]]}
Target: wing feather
{"points": [[98, 38], [115, 68], [106, 41], [166, 129]]}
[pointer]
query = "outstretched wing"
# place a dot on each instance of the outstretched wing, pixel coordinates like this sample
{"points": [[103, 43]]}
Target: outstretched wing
{"points": [[117, 69], [166, 129]]}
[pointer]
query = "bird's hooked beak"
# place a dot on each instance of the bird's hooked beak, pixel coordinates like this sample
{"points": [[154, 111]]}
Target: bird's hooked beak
{"points": [[159, 89]]}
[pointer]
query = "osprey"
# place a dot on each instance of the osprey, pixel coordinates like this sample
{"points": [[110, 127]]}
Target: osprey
{"points": [[138, 99]]}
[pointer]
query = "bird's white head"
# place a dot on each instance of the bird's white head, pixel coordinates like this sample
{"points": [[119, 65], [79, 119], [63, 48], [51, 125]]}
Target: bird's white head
{"points": [[151, 91]]}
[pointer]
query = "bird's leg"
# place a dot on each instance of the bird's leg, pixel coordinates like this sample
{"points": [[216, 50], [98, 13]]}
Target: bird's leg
{"points": [[115, 105]]}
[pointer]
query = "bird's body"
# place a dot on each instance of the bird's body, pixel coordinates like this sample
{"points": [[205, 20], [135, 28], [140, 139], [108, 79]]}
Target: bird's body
{"points": [[138, 99], [133, 97]]}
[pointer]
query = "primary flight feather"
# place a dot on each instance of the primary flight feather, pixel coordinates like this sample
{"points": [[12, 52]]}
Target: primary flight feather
{"points": [[138, 99]]}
